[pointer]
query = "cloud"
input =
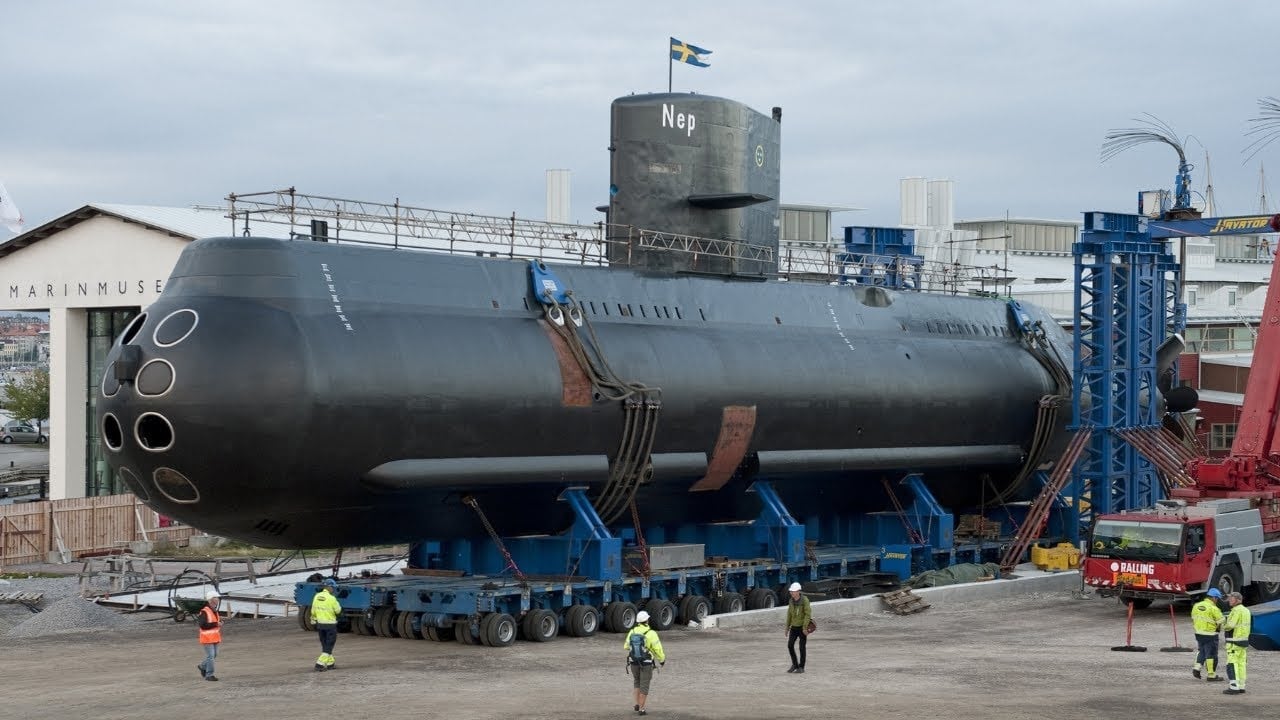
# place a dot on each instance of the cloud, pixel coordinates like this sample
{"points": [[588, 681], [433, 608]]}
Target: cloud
{"points": [[464, 107]]}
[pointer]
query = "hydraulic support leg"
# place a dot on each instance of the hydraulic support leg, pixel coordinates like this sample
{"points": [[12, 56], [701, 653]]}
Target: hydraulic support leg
{"points": [[775, 528]]}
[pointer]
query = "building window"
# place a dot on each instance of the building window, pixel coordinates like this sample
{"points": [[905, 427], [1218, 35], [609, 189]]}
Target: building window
{"points": [[1191, 297], [104, 327], [1231, 297], [1221, 435]]}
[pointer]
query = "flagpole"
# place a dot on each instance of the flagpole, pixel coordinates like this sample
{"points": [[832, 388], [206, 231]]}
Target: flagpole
{"points": [[669, 66]]}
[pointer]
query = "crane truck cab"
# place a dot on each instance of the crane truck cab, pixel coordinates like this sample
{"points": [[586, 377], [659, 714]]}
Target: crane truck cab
{"points": [[1180, 549]]}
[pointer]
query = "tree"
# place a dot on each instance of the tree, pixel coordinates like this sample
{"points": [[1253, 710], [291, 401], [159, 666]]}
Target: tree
{"points": [[28, 398]]}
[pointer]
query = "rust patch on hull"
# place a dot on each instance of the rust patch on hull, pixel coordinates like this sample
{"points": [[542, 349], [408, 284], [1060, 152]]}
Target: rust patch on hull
{"points": [[576, 387], [737, 423]]}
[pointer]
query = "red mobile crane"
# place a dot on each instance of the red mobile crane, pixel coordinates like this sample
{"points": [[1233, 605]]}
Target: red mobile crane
{"points": [[1223, 530]]}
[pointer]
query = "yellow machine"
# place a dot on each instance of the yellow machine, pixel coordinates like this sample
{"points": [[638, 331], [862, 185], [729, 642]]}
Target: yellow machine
{"points": [[1064, 556]]}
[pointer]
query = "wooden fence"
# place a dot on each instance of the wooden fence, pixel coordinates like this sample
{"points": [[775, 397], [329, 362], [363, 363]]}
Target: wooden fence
{"points": [[79, 526]]}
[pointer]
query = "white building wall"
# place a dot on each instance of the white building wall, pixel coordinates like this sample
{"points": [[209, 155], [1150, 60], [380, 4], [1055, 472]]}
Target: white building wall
{"points": [[68, 364], [101, 262]]}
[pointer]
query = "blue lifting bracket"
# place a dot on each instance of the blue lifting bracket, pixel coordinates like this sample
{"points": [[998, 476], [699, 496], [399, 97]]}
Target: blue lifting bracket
{"points": [[936, 525], [599, 552], [547, 288], [775, 528]]}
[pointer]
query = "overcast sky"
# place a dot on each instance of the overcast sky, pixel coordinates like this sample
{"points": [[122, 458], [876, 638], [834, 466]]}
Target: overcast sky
{"points": [[464, 107]]}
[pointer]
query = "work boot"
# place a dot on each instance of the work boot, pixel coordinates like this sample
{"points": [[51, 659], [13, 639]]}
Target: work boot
{"points": [[214, 678], [635, 708], [800, 669], [200, 667], [1214, 678], [793, 668], [319, 667], [1195, 673], [1233, 691]]}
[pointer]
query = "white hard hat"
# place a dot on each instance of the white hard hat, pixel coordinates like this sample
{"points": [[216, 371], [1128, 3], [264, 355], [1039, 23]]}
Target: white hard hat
{"points": [[795, 587], [211, 595], [642, 617]]}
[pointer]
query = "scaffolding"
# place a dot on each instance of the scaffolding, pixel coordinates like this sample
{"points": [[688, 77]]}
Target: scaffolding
{"points": [[396, 225]]}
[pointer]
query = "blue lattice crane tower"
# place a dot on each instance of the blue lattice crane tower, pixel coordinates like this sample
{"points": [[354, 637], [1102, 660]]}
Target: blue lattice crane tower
{"points": [[1126, 302]]}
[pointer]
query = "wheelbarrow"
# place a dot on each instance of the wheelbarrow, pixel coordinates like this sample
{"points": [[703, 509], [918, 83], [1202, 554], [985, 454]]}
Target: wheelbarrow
{"points": [[184, 607]]}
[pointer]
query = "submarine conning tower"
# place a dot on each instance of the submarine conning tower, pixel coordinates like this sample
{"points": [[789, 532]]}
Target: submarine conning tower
{"points": [[697, 166]]}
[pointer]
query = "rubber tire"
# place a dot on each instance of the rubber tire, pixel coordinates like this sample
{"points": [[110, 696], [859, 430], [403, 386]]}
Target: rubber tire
{"points": [[682, 610], [761, 598], [619, 617], [7, 440], [697, 609], [662, 614], [42, 440], [404, 626], [304, 619], [462, 633], [730, 603], [540, 625], [1228, 578], [181, 616], [382, 622], [498, 629], [581, 621], [432, 633], [362, 625]]}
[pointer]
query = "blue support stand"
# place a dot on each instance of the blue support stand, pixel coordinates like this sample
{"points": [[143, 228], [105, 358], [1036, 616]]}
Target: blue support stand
{"points": [[598, 552], [775, 528], [935, 525]]}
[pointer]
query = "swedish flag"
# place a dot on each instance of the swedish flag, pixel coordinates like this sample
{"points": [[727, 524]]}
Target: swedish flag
{"points": [[686, 53]]}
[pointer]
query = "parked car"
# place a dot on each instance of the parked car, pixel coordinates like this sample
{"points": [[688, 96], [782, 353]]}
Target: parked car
{"points": [[15, 431]]}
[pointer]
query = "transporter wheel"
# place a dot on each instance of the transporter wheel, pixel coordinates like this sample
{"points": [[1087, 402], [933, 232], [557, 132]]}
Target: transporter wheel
{"points": [[761, 598], [304, 619], [540, 625], [619, 617], [382, 622], [498, 630], [462, 633], [362, 625], [581, 621], [404, 626], [730, 603], [695, 608], [662, 614]]}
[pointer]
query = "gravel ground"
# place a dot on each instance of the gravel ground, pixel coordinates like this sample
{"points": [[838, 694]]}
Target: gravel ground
{"points": [[1044, 656]]}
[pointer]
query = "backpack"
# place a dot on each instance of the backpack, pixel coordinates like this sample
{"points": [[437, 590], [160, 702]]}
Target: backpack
{"points": [[639, 653]]}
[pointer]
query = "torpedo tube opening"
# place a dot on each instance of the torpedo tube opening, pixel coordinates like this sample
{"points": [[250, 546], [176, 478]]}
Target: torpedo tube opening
{"points": [[153, 432], [175, 486], [134, 483], [155, 378], [131, 331], [112, 433], [175, 327]]}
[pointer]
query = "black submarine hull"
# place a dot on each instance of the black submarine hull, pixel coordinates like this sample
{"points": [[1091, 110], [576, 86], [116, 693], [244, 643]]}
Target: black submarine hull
{"points": [[307, 394]]}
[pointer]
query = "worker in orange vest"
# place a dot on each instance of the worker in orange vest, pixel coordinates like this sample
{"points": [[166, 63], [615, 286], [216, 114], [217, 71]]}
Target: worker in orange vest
{"points": [[210, 633]]}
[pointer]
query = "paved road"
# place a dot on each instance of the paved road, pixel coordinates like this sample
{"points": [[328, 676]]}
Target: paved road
{"points": [[23, 455], [1044, 656]]}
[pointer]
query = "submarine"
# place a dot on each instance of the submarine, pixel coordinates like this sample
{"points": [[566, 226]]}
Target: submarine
{"points": [[297, 393]]}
